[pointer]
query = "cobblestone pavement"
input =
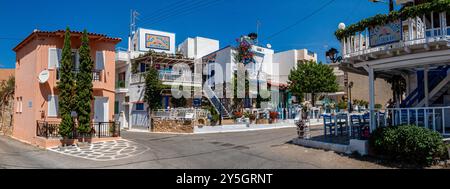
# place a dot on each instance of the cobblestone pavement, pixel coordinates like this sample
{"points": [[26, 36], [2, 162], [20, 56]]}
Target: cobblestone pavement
{"points": [[103, 151]]}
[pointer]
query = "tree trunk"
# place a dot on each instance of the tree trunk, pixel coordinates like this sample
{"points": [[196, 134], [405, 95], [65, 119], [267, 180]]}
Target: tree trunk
{"points": [[313, 99]]}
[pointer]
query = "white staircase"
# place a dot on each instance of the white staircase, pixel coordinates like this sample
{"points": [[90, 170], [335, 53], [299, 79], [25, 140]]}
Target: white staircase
{"points": [[212, 97]]}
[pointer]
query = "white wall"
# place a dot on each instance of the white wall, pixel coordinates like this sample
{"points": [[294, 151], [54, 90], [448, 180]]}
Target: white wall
{"points": [[141, 42], [287, 60], [198, 47]]}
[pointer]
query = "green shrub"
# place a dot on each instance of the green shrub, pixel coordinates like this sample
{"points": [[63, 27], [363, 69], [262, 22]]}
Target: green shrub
{"points": [[378, 106], [409, 144], [343, 105]]}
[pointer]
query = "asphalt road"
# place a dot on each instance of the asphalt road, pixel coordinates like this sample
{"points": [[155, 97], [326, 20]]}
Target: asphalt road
{"points": [[269, 149]]}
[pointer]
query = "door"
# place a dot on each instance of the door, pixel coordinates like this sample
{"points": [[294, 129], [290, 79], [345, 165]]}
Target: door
{"points": [[101, 109]]}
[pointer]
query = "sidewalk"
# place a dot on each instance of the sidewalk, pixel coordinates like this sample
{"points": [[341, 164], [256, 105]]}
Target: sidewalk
{"points": [[244, 128]]}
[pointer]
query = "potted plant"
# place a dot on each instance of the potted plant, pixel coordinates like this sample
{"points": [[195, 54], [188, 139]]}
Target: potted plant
{"points": [[273, 117]]}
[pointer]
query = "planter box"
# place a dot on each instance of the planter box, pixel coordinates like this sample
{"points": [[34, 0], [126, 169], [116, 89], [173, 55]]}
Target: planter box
{"points": [[262, 121], [360, 146]]}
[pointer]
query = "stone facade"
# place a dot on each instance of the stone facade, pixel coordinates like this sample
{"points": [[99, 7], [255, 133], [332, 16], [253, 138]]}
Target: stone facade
{"points": [[6, 118], [173, 126]]}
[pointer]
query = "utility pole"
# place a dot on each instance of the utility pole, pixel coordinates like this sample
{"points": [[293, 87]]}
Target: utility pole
{"points": [[391, 5], [258, 24]]}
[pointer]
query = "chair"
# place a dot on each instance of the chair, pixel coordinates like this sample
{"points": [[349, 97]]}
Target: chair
{"points": [[341, 122], [356, 125], [328, 123]]}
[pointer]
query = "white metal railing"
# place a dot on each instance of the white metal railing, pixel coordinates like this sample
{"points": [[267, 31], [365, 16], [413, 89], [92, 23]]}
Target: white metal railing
{"points": [[122, 55], [434, 118], [181, 113], [416, 32], [186, 78], [138, 78], [169, 77]]}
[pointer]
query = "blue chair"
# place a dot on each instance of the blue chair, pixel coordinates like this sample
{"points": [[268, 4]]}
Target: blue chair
{"points": [[328, 123], [356, 124]]}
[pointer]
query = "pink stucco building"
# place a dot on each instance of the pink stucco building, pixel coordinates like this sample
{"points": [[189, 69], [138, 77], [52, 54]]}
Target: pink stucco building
{"points": [[35, 101]]}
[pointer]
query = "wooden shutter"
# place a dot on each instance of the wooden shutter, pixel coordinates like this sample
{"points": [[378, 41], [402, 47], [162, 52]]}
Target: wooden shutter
{"points": [[52, 106], [100, 60]]}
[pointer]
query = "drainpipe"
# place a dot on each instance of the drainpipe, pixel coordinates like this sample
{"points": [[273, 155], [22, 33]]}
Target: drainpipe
{"points": [[426, 87], [372, 98]]}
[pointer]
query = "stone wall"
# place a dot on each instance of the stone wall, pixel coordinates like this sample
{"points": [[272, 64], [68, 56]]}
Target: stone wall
{"points": [[6, 118], [172, 126]]}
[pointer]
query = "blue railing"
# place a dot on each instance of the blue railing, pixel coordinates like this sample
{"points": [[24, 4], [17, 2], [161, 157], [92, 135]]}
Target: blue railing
{"points": [[436, 76]]}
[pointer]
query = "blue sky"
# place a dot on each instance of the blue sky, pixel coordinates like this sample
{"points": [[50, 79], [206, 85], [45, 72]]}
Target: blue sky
{"points": [[224, 20]]}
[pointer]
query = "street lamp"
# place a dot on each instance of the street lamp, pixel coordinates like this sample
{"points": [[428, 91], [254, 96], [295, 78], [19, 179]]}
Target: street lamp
{"points": [[391, 3]]}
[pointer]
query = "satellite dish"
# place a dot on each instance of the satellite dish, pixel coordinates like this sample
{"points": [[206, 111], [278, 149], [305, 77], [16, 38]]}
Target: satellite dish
{"points": [[44, 76], [269, 46]]}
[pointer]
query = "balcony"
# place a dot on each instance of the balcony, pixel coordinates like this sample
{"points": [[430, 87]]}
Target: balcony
{"points": [[96, 74], [401, 35], [122, 57], [170, 78], [121, 86]]}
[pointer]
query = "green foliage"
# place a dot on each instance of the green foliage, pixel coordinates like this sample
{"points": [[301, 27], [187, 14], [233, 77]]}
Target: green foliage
{"points": [[84, 86], [410, 144], [378, 106], [238, 101], [312, 77], [215, 117], [153, 87], [178, 102], [66, 126], [66, 86], [407, 12], [342, 105], [7, 90]]}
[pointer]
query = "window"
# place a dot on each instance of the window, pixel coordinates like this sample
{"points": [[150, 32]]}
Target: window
{"points": [[99, 60], [54, 57], [19, 105], [52, 106], [142, 67], [116, 107], [140, 107]]}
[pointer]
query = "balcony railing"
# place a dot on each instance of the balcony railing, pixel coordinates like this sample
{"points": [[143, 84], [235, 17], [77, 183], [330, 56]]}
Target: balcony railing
{"points": [[48, 130], [96, 74], [434, 118], [181, 113], [121, 84], [414, 31], [169, 77]]}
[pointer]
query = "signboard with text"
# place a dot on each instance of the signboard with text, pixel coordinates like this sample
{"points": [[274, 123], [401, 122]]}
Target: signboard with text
{"points": [[385, 34]]}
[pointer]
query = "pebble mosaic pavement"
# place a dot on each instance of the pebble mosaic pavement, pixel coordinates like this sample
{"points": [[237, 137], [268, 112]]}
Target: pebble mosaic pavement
{"points": [[103, 151]]}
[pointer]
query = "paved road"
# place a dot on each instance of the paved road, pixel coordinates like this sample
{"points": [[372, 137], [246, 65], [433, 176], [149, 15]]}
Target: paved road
{"points": [[268, 149]]}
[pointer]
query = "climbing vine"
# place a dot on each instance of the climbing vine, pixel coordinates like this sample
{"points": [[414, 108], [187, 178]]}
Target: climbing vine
{"points": [[407, 12]]}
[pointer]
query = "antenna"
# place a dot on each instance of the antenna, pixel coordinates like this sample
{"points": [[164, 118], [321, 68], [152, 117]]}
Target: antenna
{"points": [[258, 24], [133, 18]]}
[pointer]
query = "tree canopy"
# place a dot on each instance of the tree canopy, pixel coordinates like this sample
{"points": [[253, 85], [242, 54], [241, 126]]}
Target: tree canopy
{"points": [[84, 86], [313, 78], [66, 87], [153, 87]]}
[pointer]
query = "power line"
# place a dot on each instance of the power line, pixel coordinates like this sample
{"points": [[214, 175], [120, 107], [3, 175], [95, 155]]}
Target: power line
{"points": [[301, 19], [189, 11], [166, 8], [172, 10], [357, 5]]}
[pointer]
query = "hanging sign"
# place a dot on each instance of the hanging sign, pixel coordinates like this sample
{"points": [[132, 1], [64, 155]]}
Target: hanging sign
{"points": [[385, 34]]}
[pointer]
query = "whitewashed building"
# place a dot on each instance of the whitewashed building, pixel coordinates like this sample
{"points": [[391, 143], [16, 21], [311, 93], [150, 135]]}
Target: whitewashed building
{"points": [[417, 50]]}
